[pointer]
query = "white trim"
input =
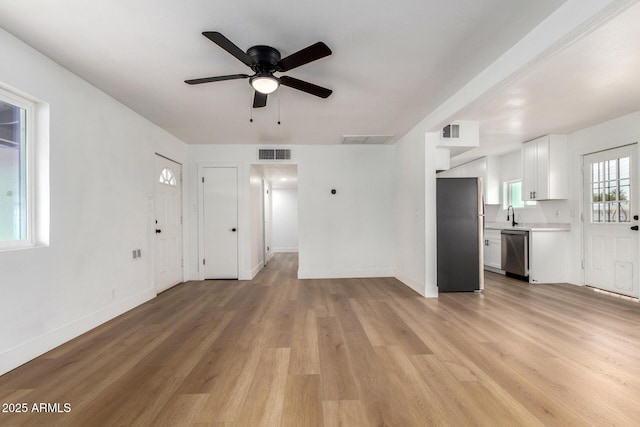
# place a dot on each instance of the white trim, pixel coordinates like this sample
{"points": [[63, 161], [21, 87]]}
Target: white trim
{"points": [[256, 269], [29, 350], [344, 274], [242, 274], [285, 250], [29, 106]]}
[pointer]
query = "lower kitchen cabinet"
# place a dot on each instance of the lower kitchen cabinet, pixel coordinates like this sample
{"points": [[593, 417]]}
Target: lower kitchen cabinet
{"points": [[492, 250], [548, 256]]}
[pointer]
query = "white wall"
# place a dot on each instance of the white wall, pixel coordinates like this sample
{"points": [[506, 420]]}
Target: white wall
{"points": [[101, 188], [350, 234], [415, 221], [410, 211], [285, 220], [256, 212]]}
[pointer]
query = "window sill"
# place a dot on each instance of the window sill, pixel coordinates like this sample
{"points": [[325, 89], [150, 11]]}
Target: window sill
{"points": [[8, 246]]}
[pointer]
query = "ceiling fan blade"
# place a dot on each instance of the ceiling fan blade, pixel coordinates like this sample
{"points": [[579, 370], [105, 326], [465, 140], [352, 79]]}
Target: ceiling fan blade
{"points": [[216, 79], [316, 90], [304, 56], [259, 100], [227, 45]]}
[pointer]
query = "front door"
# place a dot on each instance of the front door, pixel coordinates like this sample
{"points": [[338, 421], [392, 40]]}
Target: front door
{"points": [[610, 214], [220, 221], [168, 224]]}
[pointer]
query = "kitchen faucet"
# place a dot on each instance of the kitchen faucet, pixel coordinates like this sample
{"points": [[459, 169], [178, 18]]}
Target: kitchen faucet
{"points": [[513, 216]]}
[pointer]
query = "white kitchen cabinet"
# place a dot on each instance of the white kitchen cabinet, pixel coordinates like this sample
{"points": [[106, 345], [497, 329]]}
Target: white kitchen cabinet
{"points": [[492, 250], [492, 184], [544, 165], [487, 168], [548, 256]]}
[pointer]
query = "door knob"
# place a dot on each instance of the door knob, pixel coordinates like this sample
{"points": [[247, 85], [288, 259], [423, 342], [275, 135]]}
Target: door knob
{"points": [[158, 231], [634, 228]]}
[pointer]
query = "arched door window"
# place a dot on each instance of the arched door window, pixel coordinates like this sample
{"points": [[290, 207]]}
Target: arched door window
{"points": [[168, 177]]}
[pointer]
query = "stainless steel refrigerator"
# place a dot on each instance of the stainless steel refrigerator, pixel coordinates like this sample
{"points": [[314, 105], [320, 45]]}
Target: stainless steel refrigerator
{"points": [[460, 224]]}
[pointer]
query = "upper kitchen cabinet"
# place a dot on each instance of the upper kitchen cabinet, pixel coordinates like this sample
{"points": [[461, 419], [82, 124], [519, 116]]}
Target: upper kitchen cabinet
{"points": [[487, 168], [544, 165]]}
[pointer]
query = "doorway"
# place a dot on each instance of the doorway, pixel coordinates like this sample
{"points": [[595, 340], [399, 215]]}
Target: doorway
{"points": [[279, 209], [168, 223], [611, 220]]}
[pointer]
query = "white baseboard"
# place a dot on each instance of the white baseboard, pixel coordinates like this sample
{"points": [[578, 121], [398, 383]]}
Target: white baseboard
{"points": [[29, 350], [285, 250], [431, 292], [419, 288], [256, 270], [343, 274], [425, 291]]}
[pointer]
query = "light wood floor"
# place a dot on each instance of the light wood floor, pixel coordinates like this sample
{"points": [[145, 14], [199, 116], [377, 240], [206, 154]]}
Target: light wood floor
{"points": [[278, 351]]}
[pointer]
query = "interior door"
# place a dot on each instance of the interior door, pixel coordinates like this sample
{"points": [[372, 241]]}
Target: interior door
{"points": [[168, 224], [220, 210], [610, 214]]}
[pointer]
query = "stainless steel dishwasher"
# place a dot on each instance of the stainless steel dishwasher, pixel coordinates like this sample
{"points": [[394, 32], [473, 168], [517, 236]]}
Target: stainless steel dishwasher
{"points": [[515, 252]]}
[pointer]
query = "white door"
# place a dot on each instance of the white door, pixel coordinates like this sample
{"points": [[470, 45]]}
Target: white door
{"points": [[220, 210], [610, 212], [168, 224]]}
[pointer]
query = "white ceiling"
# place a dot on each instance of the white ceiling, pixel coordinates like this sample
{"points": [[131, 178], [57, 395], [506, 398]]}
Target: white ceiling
{"points": [[393, 62], [594, 79], [280, 176]]}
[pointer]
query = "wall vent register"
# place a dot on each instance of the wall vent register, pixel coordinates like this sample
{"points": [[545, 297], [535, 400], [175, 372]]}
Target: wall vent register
{"points": [[451, 131], [274, 154]]}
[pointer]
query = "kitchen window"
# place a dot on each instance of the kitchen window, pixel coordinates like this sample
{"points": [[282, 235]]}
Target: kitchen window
{"points": [[512, 191], [16, 117]]}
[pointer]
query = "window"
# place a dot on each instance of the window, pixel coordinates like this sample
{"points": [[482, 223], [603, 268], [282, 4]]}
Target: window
{"points": [[610, 190], [168, 177], [512, 192], [16, 115]]}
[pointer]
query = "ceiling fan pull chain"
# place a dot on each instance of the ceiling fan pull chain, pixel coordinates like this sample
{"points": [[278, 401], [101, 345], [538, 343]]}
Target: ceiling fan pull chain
{"points": [[278, 94], [251, 108]]}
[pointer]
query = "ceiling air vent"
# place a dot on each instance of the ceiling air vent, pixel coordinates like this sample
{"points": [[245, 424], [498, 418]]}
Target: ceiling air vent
{"points": [[365, 139], [451, 131], [274, 154]]}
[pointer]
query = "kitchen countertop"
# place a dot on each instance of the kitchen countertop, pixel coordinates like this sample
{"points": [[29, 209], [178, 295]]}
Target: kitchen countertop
{"points": [[528, 226]]}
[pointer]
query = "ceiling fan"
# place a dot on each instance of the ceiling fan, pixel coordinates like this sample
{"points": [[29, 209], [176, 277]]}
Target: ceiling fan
{"points": [[264, 61]]}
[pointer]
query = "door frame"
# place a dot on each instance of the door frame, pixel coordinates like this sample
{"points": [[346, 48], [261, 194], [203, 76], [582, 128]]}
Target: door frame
{"points": [[242, 226], [584, 215], [152, 213], [266, 222]]}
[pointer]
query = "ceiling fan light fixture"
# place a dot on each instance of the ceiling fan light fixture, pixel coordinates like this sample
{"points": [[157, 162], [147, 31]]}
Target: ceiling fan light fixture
{"points": [[264, 83]]}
